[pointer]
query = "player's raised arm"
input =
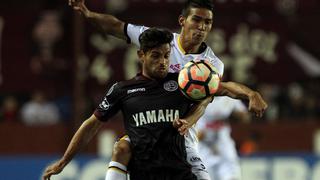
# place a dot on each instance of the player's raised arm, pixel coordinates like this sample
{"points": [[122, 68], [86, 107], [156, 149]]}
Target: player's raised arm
{"points": [[239, 91], [106, 23], [81, 138]]}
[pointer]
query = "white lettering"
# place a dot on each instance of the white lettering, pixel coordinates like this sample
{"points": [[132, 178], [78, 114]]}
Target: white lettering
{"points": [[151, 116], [254, 169], [161, 116], [176, 114], [135, 118], [169, 115], [316, 171], [289, 169], [135, 90], [142, 119], [155, 116], [93, 170]]}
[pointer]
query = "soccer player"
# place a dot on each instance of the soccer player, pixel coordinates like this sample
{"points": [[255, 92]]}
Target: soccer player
{"points": [[150, 102], [216, 143], [196, 22]]}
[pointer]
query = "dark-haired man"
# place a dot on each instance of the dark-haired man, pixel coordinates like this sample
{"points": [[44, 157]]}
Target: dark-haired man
{"points": [[150, 102], [196, 22]]}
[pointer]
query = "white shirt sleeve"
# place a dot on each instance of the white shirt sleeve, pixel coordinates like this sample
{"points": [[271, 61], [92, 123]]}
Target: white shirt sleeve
{"points": [[201, 124], [133, 33], [215, 61], [220, 66], [239, 106]]}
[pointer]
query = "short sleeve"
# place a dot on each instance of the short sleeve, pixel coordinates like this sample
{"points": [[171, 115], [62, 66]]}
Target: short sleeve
{"points": [[110, 104], [218, 64], [239, 106], [201, 123], [133, 32]]}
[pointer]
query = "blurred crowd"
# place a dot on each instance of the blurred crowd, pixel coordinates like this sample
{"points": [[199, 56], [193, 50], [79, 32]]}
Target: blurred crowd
{"points": [[297, 101], [294, 102], [52, 78]]}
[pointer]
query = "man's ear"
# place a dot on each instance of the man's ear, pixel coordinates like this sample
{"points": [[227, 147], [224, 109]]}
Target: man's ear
{"points": [[181, 20], [140, 54]]}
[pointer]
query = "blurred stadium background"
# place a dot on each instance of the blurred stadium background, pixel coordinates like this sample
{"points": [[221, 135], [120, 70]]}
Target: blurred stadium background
{"points": [[55, 67]]}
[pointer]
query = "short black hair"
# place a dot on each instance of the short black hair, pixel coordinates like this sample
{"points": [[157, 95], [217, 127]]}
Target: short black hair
{"points": [[207, 4], [154, 37]]}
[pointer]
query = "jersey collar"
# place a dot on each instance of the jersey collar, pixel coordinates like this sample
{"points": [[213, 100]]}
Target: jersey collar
{"points": [[141, 77]]}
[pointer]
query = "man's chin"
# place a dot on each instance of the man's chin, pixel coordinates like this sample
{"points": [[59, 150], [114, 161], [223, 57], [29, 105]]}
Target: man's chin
{"points": [[198, 40], [161, 75]]}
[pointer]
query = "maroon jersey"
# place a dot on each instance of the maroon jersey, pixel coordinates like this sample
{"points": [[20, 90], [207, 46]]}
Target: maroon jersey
{"points": [[149, 107]]}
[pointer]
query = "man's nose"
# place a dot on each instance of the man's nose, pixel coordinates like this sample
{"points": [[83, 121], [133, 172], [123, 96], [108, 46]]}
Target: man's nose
{"points": [[202, 26], [163, 61]]}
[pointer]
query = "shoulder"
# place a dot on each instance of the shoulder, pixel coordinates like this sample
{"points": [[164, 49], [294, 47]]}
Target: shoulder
{"points": [[214, 60], [134, 82], [119, 87], [123, 85], [134, 27]]}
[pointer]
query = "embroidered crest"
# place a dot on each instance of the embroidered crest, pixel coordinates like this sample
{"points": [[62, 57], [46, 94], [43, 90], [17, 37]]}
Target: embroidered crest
{"points": [[170, 85]]}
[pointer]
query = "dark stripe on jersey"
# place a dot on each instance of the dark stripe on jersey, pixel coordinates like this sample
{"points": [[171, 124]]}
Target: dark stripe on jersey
{"points": [[201, 49], [118, 169], [125, 31]]}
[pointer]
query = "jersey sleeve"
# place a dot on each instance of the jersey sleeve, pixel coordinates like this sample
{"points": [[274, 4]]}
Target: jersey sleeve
{"points": [[110, 104], [219, 65], [215, 61], [201, 123], [133, 32], [239, 106]]}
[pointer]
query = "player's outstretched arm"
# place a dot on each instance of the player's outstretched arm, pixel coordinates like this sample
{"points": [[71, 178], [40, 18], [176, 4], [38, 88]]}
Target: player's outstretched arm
{"points": [[192, 117], [106, 23], [80, 139], [235, 90]]}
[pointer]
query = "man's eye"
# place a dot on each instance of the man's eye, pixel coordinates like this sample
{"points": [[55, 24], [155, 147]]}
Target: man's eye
{"points": [[208, 22], [196, 19], [154, 56]]}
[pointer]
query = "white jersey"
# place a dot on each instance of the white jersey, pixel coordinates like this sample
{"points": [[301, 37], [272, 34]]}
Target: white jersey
{"points": [[178, 58], [220, 109], [223, 164]]}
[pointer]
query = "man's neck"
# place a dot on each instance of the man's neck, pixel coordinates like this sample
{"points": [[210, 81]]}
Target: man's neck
{"points": [[147, 76], [188, 46]]}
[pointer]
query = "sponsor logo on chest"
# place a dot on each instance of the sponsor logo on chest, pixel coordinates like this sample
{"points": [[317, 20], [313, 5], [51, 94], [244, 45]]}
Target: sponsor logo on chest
{"points": [[155, 116]]}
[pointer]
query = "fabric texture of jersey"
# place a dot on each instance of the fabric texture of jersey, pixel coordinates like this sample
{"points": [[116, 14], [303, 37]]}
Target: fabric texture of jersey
{"points": [[223, 164], [178, 58], [149, 107], [220, 109]]}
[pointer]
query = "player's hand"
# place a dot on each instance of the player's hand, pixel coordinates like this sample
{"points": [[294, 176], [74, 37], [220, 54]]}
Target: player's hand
{"points": [[54, 168], [79, 6], [256, 104], [182, 126]]}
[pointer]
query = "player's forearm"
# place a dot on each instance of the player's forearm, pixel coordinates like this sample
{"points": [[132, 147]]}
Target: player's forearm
{"points": [[197, 111], [80, 139], [107, 23], [235, 90]]}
